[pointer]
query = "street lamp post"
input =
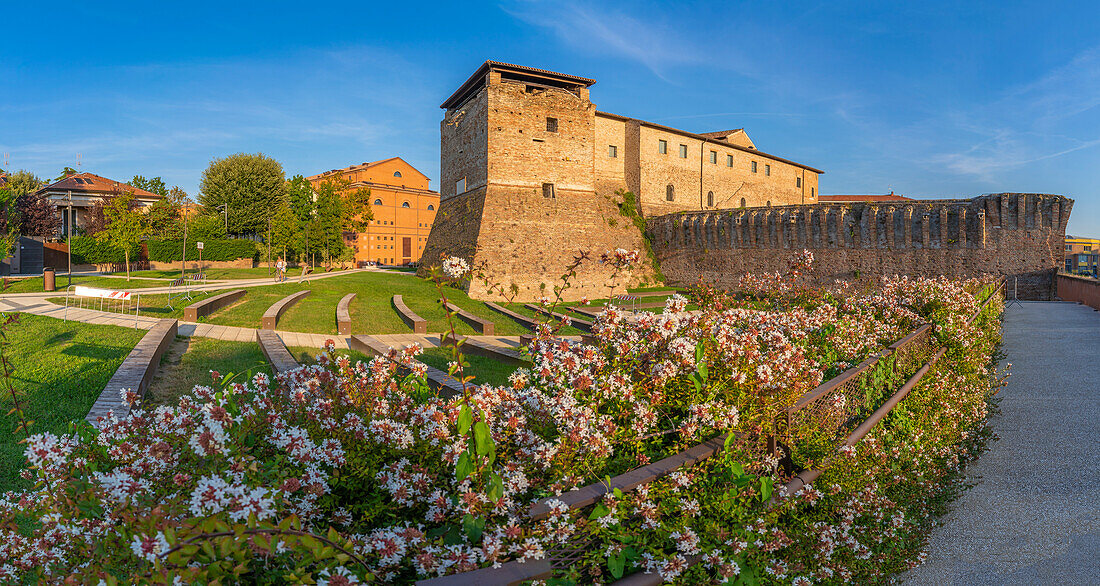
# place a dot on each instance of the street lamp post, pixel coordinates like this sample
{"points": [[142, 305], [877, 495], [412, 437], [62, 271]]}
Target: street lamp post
{"points": [[69, 232], [225, 209]]}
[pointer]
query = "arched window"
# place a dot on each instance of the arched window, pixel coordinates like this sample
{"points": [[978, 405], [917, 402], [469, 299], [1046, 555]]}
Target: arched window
{"points": [[743, 202], [769, 204], [377, 202], [431, 207], [397, 173], [404, 204], [710, 199], [670, 193]]}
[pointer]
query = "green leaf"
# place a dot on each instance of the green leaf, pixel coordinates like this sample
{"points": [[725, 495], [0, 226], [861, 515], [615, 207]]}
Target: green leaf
{"points": [[599, 511], [464, 466], [496, 488], [473, 526], [617, 563], [483, 438], [465, 419], [766, 485]]}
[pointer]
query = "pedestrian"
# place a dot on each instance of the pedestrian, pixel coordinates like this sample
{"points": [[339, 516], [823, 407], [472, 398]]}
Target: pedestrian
{"points": [[280, 268]]}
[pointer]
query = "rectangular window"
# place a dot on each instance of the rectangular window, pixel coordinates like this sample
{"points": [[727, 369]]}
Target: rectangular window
{"points": [[662, 146], [729, 160], [683, 151], [551, 125], [798, 182], [754, 166], [714, 157], [812, 193], [548, 190], [767, 170], [460, 186], [612, 151]]}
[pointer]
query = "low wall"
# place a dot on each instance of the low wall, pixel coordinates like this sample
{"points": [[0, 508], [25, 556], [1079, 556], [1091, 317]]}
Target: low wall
{"points": [[1010, 234], [193, 264], [1080, 289], [136, 372]]}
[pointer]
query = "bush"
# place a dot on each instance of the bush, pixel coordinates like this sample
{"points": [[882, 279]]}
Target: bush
{"points": [[87, 250], [172, 250]]}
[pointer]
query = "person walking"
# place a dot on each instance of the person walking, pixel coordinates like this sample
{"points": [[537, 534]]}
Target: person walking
{"points": [[280, 268]]}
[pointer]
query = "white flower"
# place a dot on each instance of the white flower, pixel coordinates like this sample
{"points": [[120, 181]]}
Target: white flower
{"points": [[455, 267], [149, 547]]}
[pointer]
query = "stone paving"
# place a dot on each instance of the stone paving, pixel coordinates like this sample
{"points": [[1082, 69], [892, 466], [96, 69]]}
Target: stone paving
{"points": [[1033, 513]]}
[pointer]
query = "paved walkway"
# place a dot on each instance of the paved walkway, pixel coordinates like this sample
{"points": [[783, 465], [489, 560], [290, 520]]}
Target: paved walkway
{"points": [[1033, 515]]}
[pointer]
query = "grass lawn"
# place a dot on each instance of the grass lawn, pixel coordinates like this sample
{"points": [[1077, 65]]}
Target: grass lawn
{"points": [[61, 367], [177, 375], [34, 284], [221, 274]]}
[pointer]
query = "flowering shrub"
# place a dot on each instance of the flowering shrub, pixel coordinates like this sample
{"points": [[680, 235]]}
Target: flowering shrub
{"points": [[337, 472]]}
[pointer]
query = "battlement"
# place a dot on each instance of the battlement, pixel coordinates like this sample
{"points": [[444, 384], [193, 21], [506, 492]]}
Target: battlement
{"points": [[1016, 234]]}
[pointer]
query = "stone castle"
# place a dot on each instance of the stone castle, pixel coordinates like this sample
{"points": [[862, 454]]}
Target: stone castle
{"points": [[531, 173]]}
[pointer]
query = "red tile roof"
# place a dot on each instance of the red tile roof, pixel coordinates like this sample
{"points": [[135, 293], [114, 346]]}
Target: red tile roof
{"points": [[91, 183], [855, 198]]}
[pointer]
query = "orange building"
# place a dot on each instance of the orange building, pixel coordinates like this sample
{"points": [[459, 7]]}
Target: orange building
{"points": [[403, 206]]}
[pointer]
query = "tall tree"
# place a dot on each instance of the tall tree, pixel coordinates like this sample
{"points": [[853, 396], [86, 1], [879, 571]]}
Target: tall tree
{"points": [[251, 186], [286, 232], [9, 221], [301, 198], [23, 182], [155, 185], [65, 173], [164, 219], [37, 216], [125, 225]]}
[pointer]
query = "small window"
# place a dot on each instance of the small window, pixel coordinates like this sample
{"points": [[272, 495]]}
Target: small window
{"points": [[812, 193], [377, 202], [683, 151], [769, 204], [548, 191], [551, 125], [431, 208], [397, 173], [754, 166], [767, 170], [460, 186], [798, 182], [743, 202], [662, 147], [612, 151], [404, 204], [729, 160], [710, 199], [670, 193], [714, 157]]}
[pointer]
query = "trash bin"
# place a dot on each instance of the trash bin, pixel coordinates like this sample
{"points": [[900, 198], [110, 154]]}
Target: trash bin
{"points": [[48, 279]]}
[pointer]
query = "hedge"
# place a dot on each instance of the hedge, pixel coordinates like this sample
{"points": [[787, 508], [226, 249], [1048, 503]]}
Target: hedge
{"points": [[172, 250], [88, 250]]}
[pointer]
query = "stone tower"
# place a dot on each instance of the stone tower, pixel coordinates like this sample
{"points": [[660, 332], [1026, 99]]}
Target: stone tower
{"points": [[517, 184]]}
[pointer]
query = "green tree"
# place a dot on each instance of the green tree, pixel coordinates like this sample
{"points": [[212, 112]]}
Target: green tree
{"points": [[9, 221], [205, 227], [327, 228], [251, 186], [164, 219], [357, 213], [23, 182], [301, 198], [125, 225], [286, 231], [65, 173], [155, 185]]}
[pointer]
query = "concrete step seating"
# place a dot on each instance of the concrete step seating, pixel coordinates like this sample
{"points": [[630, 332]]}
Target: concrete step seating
{"points": [[479, 323], [418, 324], [343, 315], [579, 323], [480, 348], [136, 371], [273, 313], [445, 384], [527, 322], [275, 352], [211, 304]]}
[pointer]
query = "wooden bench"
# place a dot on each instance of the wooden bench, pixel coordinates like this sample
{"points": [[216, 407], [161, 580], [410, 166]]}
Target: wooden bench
{"points": [[580, 324], [480, 324], [273, 313], [343, 315], [275, 352], [135, 372], [446, 385], [417, 323], [488, 350], [211, 304], [527, 322]]}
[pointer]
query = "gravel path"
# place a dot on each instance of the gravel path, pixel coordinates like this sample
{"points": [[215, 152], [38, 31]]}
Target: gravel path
{"points": [[1033, 514]]}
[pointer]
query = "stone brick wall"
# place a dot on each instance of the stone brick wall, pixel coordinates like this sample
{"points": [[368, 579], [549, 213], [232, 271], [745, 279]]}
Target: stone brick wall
{"points": [[1012, 234]]}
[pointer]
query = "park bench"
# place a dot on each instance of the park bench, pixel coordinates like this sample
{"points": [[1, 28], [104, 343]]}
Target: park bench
{"points": [[343, 315], [478, 323], [482, 348], [211, 304], [447, 385], [275, 352], [271, 317], [523, 320], [417, 323], [580, 324]]}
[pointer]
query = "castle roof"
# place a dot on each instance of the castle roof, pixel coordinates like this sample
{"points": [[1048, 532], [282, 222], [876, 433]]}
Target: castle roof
{"points": [[360, 167], [517, 72], [91, 183]]}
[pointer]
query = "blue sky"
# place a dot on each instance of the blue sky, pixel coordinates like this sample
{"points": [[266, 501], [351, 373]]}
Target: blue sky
{"points": [[929, 99]]}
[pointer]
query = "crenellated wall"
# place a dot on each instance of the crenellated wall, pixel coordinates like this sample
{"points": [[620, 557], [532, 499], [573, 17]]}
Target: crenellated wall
{"points": [[1014, 234]]}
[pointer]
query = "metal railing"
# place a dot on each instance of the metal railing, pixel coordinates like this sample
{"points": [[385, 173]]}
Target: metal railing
{"points": [[122, 302]]}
